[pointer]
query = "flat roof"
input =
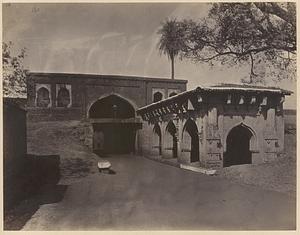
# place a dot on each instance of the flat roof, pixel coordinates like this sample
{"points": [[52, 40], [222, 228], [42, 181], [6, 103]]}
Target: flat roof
{"points": [[107, 76], [246, 87]]}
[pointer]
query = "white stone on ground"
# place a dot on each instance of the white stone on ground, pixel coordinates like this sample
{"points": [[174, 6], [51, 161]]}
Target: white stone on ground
{"points": [[104, 164]]}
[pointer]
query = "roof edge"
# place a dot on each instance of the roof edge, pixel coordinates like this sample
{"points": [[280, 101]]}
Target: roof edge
{"points": [[219, 89], [111, 76]]}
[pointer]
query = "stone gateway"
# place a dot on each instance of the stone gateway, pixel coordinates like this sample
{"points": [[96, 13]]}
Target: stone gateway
{"points": [[212, 127], [106, 104], [216, 126]]}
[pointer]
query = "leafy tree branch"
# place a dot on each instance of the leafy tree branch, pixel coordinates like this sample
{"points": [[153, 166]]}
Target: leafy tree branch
{"points": [[14, 74], [234, 33]]}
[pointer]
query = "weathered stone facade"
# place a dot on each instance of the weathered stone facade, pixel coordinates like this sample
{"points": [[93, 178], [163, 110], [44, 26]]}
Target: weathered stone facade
{"points": [[212, 126], [106, 104], [216, 126]]}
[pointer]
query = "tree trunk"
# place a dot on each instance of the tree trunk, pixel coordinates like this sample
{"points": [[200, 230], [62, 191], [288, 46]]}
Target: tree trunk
{"points": [[172, 66]]}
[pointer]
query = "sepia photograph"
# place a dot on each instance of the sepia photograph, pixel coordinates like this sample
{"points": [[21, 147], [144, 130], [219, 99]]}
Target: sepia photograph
{"points": [[149, 116]]}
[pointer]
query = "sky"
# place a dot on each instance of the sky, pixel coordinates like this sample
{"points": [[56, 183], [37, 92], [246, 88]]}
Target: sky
{"points": [[98, 38]]}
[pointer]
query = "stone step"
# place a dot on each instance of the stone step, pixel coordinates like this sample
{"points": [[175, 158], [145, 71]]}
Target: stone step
{"points": [[198, 169]]}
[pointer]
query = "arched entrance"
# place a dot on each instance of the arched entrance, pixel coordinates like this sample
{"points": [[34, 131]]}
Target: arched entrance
{"points": [[191, 140], [171, 139], [238, 147], [114, 125], [157, 138], [112, 106]]}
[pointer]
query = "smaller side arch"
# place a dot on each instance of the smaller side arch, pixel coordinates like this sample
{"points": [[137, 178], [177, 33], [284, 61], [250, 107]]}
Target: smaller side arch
{"points": [[170, 140], [190, 141], [238, 149], [157, 138], [253, 140]]}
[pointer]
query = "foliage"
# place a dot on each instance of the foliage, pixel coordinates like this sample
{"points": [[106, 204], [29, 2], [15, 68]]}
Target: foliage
{"points": [[170, 43], [14, 74], [262, 35]]}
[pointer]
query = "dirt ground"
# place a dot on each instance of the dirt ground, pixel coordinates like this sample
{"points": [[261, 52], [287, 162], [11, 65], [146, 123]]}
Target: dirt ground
{"points": [[63, 139], [279, 175]]}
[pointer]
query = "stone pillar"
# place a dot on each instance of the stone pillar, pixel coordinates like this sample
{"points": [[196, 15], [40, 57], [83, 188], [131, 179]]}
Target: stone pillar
{"points": [[213, 141], [271, 120], [178, 123]]}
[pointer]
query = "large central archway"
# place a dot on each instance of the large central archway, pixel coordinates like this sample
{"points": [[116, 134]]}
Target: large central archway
{"points": [[114, 125], [112, 106], [238, 147]]}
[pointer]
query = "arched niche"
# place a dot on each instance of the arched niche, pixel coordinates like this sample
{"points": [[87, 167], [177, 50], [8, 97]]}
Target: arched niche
{"points": [[157, 96], [63, 97], [43, 97]]}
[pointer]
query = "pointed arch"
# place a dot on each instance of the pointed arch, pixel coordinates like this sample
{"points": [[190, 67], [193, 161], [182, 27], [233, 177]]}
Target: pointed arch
{"points": [[238, 146], [253, 140], [190, 140], [111, 106], [170, 139], [157, 138]]}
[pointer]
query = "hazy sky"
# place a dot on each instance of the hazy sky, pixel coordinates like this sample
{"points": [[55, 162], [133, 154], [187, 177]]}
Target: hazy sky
{"points": [[108, 39]]}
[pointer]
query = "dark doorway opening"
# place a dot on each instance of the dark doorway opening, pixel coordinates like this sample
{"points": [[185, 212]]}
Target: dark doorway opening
{"points": [[171, 129], [157, 140], [238, 147], [115, 138], [114, 126], [192, 130]]}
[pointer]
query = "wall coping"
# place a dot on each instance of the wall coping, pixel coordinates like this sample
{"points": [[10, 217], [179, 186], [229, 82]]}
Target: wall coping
{"points": [[103, 76]]}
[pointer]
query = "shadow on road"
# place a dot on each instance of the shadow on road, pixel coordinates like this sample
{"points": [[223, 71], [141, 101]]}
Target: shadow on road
{"points": [[36, 185]]}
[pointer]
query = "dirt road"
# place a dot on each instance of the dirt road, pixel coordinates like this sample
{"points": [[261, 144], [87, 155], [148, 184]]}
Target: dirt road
{"points": [[147, 195]]}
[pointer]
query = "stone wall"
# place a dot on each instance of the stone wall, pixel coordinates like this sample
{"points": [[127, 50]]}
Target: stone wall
{"points": [[87, 89], [14, 149]]}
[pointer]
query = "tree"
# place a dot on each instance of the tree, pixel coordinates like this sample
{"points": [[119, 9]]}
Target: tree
{"points": [[259, 34], [170, 41], [14, 74]]}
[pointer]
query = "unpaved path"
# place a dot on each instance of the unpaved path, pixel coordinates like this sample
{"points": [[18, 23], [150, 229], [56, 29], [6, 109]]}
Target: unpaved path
{"points": [[147, 195]]}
